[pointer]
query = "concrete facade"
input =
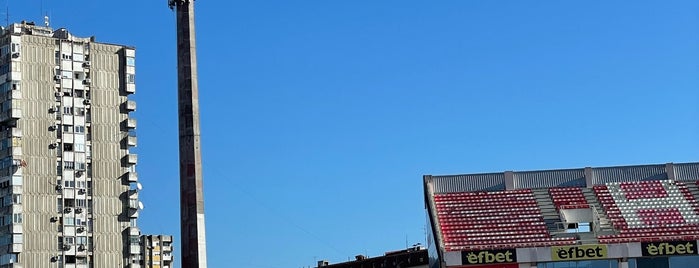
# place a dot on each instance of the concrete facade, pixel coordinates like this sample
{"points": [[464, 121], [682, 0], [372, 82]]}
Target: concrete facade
{"points": [[65, 168]]}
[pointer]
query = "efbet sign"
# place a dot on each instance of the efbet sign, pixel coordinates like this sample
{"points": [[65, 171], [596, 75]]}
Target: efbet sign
{"points": [[582, 252], [669, 248], [488, 256]]}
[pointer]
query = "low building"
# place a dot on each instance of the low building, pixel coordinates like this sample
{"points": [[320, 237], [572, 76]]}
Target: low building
{"points": [[413, 257], [157, 251]]}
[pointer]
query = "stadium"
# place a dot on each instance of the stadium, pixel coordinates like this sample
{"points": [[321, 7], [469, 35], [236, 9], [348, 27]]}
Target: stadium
{"points": [[613, 217]]}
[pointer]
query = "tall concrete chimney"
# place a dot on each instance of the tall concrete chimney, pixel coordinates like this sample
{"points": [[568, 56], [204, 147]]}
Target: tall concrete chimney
{"points": [[193, 234]]}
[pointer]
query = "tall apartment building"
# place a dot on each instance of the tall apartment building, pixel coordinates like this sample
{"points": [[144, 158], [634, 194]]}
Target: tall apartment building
{"points": [[157, 251], [68, 183]]}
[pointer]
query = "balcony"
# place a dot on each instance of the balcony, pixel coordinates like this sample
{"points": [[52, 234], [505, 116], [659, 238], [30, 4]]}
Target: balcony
{"points": [[130, 159], [13, 95], [11, 114], [130, 105], [131, 141], [130, 123], [134, 231], [131, 176], [130, 88], [11, 132]]}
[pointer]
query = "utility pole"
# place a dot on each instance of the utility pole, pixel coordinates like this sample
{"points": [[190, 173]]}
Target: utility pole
{"points": [[193, 235]]}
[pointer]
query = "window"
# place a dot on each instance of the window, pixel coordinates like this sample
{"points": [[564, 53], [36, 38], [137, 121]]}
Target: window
{"points": [[17, 218], [130, 61], [69, 184], [81, 240], [130, 78], [67, 147], [17, 198], [134, 240], [69, 221], [80, 203], [80, 129], [69, 165]]}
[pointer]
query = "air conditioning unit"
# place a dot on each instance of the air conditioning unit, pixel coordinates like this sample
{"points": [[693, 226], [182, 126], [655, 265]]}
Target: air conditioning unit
{"points": [[57, 77], [87, 102], [59, 187], [86, 64], [87, 81], [68, 210], [54, 259], [53, 145], [15, 55], [58, 94], [54, 219], [78, 210], [66, 247], [81, 247], [81, 229], [81, 191], [53, 127]]}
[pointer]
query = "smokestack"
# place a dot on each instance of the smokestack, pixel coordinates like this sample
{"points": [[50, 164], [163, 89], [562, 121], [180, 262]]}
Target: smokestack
{"points": [[193, 235]]}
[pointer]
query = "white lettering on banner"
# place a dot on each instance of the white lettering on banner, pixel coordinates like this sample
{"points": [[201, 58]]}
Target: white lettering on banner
{"points": [[670, 202]]}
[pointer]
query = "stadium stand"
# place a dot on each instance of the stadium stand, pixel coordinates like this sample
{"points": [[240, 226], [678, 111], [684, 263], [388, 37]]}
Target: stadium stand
{"points": [[478, 220], [631, 216]]}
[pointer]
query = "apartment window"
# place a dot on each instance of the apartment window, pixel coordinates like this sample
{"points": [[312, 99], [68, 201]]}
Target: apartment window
{"points": [[132, 222], [67, 74], [80, 166], [69, 184], [80, 111], [134, 240], [69, 240], [80, 129], [130, 61], [17, 199], [69, 165], [69, 221], [80, 203], [81, 240], [67, 110], [67, 128], [130, 78], [67, 147], [17, 218]]}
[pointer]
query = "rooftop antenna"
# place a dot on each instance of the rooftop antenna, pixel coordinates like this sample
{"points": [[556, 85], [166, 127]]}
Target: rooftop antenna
{"points": [[46, 21]]}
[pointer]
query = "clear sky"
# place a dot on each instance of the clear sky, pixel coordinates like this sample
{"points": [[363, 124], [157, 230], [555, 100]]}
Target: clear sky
{"points": [[319, 117]]}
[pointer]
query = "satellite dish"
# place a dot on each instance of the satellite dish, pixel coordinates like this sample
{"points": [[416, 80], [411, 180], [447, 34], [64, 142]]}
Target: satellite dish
{"points": [[140, 205], [139, 186]]}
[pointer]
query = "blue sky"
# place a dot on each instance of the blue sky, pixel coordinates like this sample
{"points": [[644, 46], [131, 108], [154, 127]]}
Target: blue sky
{"points": [[319, 118]]}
